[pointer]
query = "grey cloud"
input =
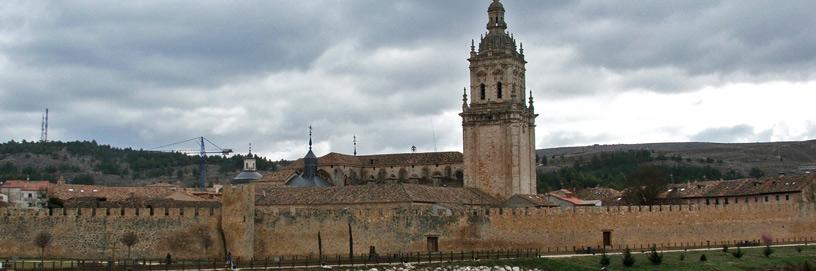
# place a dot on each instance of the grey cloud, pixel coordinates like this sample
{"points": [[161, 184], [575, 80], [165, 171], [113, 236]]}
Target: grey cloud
{"points": [[738, 133], [150, 72]]}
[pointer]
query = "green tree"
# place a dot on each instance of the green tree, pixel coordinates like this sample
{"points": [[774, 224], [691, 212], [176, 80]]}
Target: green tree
{"points": [[654, 257], [605, 261], [129, 239], [628, 259], [756, 172], [644, 186], [43, 240], [83, 179]]}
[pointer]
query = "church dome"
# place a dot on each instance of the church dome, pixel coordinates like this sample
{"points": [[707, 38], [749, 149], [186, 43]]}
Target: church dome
{"points": [[246, 177], [495, 6]]}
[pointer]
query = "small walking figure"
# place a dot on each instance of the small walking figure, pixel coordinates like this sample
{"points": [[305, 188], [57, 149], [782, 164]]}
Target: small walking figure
{"points": [[228, 259]]}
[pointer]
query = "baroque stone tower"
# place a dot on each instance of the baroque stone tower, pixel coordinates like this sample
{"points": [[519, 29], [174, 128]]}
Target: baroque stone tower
{"points": [[498, 124]]}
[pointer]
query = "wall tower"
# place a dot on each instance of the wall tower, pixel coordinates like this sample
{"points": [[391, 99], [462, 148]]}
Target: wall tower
{"points": [[498, 124]]}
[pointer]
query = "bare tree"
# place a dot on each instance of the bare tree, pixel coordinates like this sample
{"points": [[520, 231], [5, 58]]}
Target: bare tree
{"points": [[42, 240], [205, 238], [129, 239]]}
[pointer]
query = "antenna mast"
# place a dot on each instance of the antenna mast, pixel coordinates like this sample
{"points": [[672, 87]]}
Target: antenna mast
{"points": [[44, 127]]}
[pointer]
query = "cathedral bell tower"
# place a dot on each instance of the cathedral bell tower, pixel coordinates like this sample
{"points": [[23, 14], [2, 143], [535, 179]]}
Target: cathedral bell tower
{"points": [[498, 123]]}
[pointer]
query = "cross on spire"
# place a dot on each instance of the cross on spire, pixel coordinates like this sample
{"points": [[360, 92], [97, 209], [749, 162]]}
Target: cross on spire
{"points": [[310, 137], [355, 145]]}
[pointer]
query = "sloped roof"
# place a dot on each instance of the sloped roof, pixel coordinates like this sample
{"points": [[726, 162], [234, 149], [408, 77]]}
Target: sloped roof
{"points": [[281, 176], [67, 192], [570, 197], [607, 196], [742, 187], [369, 194], [535, 199], [314, 181], [26, 185]]}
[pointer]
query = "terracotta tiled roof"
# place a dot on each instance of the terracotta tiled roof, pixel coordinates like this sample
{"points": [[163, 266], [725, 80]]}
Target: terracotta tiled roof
{"points": [[369, 194], [607, 196], [67, 192], [382, 160], [26, 185], [742, 187], [570, 197], [536, 199], [280, 176]]}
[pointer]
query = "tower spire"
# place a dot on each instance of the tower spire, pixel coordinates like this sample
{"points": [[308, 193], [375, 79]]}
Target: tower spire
{"points": [[464, 99], [250, 149], [531, 99], [495, 20], [310, 137], [355, 145]]}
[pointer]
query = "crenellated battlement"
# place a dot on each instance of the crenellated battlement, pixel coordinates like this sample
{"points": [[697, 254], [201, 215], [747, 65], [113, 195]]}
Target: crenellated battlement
{"points": [[528, 212], [113, 213]]}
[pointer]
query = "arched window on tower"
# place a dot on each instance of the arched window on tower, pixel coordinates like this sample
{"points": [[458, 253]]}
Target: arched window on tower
{"points": [[499, 90], [482, 91]]}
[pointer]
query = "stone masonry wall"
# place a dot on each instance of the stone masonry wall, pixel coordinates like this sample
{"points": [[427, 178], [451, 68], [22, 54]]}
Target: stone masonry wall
{"points": [[270, 231], [94, 233], [282, 232]]}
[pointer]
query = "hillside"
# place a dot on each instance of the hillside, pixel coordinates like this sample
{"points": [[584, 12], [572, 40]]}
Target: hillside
{"points": [[607, 165], [89, 162]]}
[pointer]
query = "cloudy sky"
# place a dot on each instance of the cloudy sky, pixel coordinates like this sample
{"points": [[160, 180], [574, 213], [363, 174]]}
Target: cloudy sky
{"points": [[146, 73]]}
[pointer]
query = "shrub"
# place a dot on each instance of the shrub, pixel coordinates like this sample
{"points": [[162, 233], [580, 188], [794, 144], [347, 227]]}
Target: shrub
{"points": [[682, 256], [703, 258], [767, 251], [605, 260], [628, 260], [654, 257], [799, 249], [738, 254], [725, 249]]}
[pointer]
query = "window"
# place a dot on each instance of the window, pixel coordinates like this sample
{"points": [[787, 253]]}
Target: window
{"points": [[29, 195], [726, 201], [717, 201], [777, 197], [482, 91], [499, 90], [708, 201], [787, 197], [756, 199], [433, 243], [607, 238], [766, 198]]}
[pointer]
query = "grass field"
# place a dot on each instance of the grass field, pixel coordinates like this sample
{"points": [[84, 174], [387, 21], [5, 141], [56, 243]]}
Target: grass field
{"points": [[783, 258]]}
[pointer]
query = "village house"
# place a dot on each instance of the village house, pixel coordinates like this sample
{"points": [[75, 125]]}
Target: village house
{"points": [[89, 196], [769, 190], [558, 198], [25, 194]]}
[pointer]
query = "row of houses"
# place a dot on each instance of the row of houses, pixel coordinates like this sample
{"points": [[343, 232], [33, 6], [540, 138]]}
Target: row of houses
{"points": [[42, 194]]}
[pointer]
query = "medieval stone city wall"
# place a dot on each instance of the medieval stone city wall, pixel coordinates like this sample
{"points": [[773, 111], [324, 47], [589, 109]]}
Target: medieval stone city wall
{"points": [[264, 231], [89, 233], [286, 232]]}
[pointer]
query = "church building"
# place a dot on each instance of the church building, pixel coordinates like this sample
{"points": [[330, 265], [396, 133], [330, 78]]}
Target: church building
{"points": [[498, 123]]}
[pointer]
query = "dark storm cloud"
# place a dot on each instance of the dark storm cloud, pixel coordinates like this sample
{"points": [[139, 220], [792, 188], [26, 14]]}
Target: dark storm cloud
{"points": [[151, 72]]}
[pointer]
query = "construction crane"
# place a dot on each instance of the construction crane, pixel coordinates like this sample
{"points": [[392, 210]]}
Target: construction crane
{"points": [[202, 152]]}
